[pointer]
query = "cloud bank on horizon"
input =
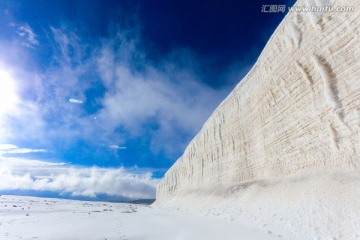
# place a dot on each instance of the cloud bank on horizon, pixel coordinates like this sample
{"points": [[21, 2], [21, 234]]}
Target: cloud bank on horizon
{"points": [[67, 179]]}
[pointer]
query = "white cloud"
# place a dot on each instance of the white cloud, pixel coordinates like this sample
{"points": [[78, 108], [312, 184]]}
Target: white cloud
{"points": [[22, 174], [27, 34], [73, 100], [68, 48], [13, 149], [169, 97], [117, 147], [22, 165], [6, 146]]}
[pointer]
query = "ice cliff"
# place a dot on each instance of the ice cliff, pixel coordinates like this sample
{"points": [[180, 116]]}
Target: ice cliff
{"points": [[297, 110]]}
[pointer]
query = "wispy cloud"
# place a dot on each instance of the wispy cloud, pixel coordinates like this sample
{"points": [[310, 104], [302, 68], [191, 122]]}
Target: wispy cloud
{"points": [[13, 149], [156, 100], [27, 34], [117, 147], [168, 95], [69, 50]]}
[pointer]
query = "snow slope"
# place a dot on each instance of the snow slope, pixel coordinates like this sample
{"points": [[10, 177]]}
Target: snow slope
{"points": [[304, 206], [50, 219]]}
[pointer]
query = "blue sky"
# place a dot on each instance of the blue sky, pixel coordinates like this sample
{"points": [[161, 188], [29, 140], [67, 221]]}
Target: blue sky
{"points": [[99, 98]]}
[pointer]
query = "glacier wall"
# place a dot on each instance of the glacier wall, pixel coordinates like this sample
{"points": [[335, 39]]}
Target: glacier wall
{"points": [[297, 110]]}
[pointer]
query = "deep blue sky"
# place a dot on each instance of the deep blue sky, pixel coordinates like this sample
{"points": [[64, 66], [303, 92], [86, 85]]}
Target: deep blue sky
{"points": [[99, 90]]}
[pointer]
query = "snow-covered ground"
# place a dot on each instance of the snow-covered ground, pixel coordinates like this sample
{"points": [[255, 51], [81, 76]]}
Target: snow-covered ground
{"points": [[41, 218], [303, 206]]}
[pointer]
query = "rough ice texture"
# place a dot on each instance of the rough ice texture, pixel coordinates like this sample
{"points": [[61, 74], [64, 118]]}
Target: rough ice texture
{"points": [[297, 110]]}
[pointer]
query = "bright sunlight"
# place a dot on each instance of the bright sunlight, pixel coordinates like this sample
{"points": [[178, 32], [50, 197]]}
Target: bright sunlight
{"points": [[8, 96]]}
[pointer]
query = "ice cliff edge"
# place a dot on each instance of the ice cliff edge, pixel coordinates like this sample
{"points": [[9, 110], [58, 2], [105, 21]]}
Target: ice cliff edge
{"points": [[297, 110]]}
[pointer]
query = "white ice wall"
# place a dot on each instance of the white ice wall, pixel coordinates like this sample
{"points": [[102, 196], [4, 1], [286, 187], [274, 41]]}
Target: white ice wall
{"points": [[298, 109]]}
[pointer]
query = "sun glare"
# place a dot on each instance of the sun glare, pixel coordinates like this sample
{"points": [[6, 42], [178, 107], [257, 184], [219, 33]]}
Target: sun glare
{"points": [[8, 96]]}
